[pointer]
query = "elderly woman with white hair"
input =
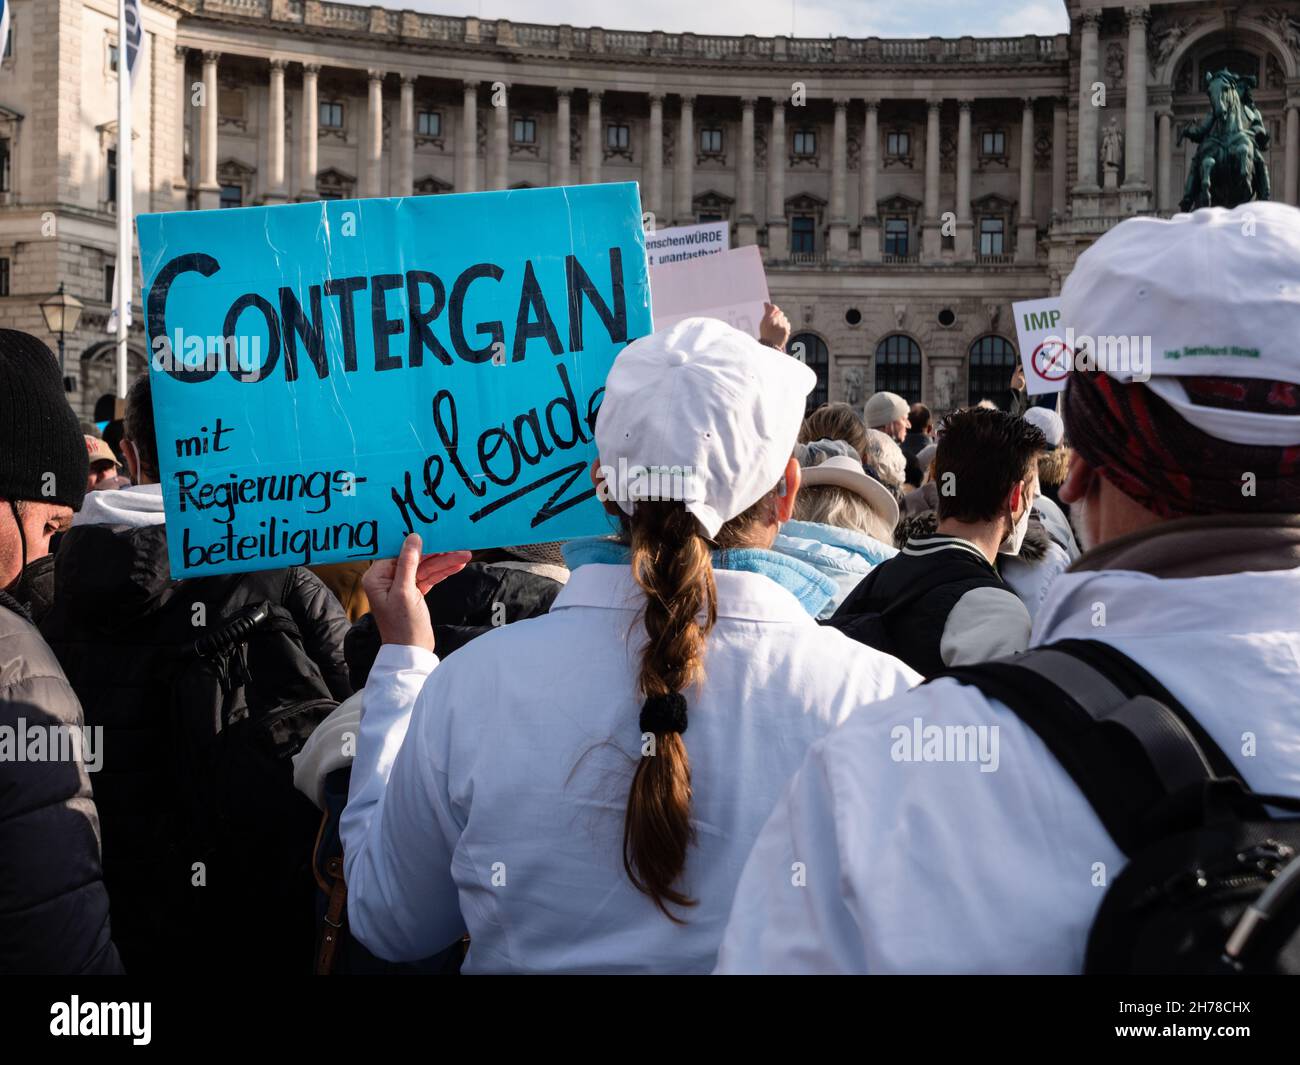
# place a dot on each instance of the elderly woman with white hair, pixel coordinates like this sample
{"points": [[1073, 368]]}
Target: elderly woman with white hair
{"points": [[843, 521], [886, 458]]}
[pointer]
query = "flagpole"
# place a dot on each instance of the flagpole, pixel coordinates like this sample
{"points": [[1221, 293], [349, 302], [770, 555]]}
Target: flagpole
{"points": [[124, 188]]}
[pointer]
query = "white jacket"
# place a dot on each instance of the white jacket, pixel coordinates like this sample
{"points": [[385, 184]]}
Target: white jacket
{"points": [[942, 867], [488, 792]]}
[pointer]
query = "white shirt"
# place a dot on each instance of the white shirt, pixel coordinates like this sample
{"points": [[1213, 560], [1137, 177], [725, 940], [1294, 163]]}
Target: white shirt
{"points": [[939, 867], [489, 791]]}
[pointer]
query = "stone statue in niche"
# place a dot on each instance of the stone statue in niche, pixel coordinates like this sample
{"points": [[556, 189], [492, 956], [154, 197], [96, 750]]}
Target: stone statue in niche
{"points": [[1112, 150], [945, 387], [855, 380]]}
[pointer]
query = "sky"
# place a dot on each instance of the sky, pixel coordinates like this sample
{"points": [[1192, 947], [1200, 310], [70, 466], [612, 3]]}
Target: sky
{"points": [[800, 18]]}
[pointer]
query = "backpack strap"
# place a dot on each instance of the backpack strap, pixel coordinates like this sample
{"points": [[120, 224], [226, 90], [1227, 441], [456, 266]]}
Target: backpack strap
{"points": [[1135, 752]]}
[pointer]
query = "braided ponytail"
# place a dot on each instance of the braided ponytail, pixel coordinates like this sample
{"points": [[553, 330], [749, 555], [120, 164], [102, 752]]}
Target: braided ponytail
{"points": [[671, 562]]}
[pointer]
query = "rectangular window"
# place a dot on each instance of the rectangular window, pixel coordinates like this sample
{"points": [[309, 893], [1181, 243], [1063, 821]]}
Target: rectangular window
{"points": [[618, 137], [331, 115], [710, 142], [991, 236], [803, 235], [4, 277], [525, 131], [4, 165], [111, 170], [707, 216], [993, 143], [898, 144], [896, 234], [232, 195], [9, 44], [429, 124], [110, 280], [805, 142], [112, 58]]}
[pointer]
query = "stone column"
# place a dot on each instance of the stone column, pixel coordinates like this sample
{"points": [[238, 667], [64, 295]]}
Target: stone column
{"points": [[1165, 163], [930, 236], [652, 199], [593, 148], [209, 190], [275, 186], [1060, 143], [746, 225], [1135, 105], [684, 211], [1291, 179], [1089, 67], [869, 164], [838, 244], [499, 177], [778, 229], [310, 136], [406, 138], [374, 134], [964, 243], [1027, 225], [467, 152], [181, 179], [561, 159]]}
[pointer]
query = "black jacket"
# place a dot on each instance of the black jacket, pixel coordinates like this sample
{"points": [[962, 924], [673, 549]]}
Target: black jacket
{"points": [[467, 604], [118, 623], [53, 905], [923, 585]]}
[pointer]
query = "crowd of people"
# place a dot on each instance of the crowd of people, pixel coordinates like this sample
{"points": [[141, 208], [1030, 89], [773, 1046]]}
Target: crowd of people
{"points": [[718, 738]]}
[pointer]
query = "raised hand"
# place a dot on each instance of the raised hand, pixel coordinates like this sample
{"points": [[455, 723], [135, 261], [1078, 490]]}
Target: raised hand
{"points": [[396, 588]]}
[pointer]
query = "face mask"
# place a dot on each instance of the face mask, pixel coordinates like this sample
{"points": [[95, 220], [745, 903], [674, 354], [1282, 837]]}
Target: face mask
{"points": [[1011, 544]]}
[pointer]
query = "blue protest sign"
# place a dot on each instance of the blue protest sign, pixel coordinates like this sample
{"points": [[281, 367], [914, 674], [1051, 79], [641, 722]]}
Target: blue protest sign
{"points": [[329, 376]]}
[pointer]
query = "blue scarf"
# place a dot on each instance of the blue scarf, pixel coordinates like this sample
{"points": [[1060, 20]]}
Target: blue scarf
{"points": [[812, 588]]}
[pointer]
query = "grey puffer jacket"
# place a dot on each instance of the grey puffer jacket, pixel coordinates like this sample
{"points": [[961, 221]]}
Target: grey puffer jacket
{"points": [[53, 905]]}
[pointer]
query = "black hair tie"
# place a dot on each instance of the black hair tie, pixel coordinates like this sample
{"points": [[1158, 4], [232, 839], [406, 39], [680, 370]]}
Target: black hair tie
{"points": [[664, 713]]}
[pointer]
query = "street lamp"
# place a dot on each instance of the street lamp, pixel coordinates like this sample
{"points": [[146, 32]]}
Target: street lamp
{"points": [[62, 312]]}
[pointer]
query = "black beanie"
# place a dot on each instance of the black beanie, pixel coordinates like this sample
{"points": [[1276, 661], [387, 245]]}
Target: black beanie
{"points": [[42, 451]]}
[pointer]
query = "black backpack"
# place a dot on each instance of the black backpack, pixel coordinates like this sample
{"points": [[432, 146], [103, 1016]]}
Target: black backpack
{"points": [[244, 698], [1212, 883]]}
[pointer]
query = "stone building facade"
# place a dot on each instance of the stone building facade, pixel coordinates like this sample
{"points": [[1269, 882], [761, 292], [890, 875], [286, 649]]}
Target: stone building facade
{"points": [[904, 192]]}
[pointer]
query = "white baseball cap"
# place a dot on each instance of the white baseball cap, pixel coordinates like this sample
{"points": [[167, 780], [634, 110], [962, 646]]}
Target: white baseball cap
{"points": [[709, 402], [1049, 423], [1218, 293], [883, 408], [846, 472]]}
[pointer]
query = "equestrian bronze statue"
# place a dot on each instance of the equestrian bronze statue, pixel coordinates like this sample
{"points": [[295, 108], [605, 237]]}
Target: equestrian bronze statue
{"points": [[1229, 167]]}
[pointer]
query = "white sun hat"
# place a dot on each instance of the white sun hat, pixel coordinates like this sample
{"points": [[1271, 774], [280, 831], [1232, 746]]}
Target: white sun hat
{"points": [[1217, 292], [701, 413], [845, 472]]}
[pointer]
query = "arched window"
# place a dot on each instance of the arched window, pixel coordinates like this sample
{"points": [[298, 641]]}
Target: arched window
{"points": [[898, 367], [992, 361], [812, 349]]}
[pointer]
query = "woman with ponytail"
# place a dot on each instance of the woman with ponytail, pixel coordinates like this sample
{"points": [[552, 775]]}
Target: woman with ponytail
{"points": [[539, 790]]}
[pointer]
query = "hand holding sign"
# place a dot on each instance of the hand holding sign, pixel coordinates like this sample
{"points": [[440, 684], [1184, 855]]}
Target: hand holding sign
{"points": [[397, 586], [774, 329]]}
